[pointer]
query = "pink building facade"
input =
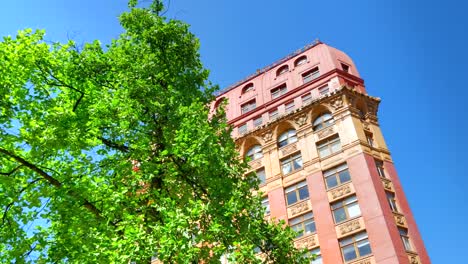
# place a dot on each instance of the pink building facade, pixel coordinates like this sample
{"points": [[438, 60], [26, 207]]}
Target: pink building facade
{"points": [[311, 132]]}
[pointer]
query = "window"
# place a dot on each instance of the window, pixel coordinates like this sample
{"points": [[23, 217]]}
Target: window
{"points": [[336, 176], [323, 121], [405, 238], [303, 225], [266, 205], [392, 201], [310, 75], [345, 67], [287, 138], [318, 256], [242, 129], [307, 98], [282, 70], [324, 90], [249, 87], [297, 193], [380, 168], [261, 176], [289, 107], [292, 163], [369, 138], [273, 114], [258, 121], [249, 106], [278, 91], [254, 153], [345, 209], [355, 246], [329, 146], [301, 60]]}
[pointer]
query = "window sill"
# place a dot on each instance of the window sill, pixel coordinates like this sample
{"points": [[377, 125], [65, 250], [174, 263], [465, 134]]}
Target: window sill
{"points": [[361, 260]]}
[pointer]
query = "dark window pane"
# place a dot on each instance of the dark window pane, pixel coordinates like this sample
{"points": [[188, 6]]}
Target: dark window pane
{"points": [[364, 247], [310, 227], [340, 215], [349, 253], [303, 193], [297, 163], [291, 197], [331, 181], [344, 176]]}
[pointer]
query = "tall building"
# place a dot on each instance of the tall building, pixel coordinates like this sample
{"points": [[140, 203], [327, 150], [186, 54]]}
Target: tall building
{"points": [[312, 135]]}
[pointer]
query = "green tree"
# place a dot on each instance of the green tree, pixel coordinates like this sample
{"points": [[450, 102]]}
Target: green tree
{"points": [[107, 154]]}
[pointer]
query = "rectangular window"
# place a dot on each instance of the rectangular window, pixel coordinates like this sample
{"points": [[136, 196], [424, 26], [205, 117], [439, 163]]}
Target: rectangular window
{"points": [[273, 114], [306, 98], [291, 163], [297, 193], [303, 225], [257, 121], [336, 176], [249, 106], [310, 75], [380, 168], [405, 238], [242, 129], [324, 90], [345, 209], [278, 91], [392, 201], [266, 205], [318, 256], [369, 138], [289, 107], [329, 146], [261, 176], [355, 246]]}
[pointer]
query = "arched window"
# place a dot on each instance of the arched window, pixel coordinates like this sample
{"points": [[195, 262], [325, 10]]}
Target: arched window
{"points": [[324, 120], [282, 69], [301, 60], [218, 103], [287, 138], [249, 87], [254, 153]]}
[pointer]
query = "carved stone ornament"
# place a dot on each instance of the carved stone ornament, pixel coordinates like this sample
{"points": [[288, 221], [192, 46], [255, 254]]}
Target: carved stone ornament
{"points": [[414, 260], [387, 184], [301, 120], [400, 220], [297, 209], [267, 136], [255, 163], [350, 226], [365, 125], [364, 261], [340, 191], [325, 132], [372, 109], [337, 103], [289, 149], [306, 243]]}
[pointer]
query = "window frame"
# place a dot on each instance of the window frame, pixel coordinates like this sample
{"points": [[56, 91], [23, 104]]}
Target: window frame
{"points": [[257, 123], [310, 75], [369, 139], [247, 88], [345, 204], [306, 98], [273, 114], [354, 240], [405, 239], [379, 165], [332, 145], [392, 201], [282, 70], [256, 149], [291, 160], [318, 254], [242, 129], [336, 172], [248, 106], [289, 106], [302, 222], [300, 61], [267, 207], [278, 91], [261, 179], [296, 188], [289, 138], [322, 121]]}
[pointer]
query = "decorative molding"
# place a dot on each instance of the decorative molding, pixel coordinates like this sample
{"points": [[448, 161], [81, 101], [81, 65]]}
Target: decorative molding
{"points": [[349, 227], [299, 208], [337, 103], [289, 149], [307, 242], [413, 259], [255, 164], [340, 191], [325, 132], [399, 219], [364, 261], [301, 119], [387, 184], [267, 135]]}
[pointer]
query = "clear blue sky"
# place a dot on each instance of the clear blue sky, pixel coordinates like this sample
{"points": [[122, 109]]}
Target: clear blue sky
{"points": [[412, 54]]}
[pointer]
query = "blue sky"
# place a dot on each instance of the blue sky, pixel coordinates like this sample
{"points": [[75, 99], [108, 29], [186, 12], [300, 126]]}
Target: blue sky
{"points": [[412, 54]]}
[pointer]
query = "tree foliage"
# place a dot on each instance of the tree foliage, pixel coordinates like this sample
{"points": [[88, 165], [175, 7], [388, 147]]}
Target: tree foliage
{"points": [[107, 154]]}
